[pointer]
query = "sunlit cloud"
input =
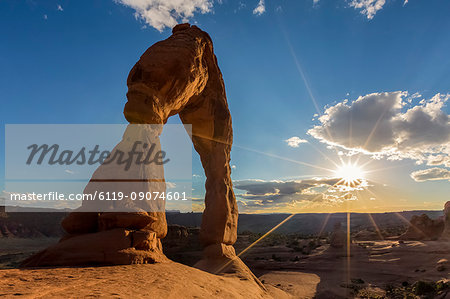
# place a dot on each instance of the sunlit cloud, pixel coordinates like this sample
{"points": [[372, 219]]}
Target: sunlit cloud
{"points": [[368, 7], [387, 125], [438, 160], [260, 8], [161, 14], [295, 141], [59, 7], [431, 174]]}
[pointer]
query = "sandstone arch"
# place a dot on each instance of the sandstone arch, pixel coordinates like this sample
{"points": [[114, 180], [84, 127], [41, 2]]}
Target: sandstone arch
{"points": [[180, 75]]}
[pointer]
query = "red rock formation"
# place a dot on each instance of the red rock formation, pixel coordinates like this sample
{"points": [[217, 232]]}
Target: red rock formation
{"points": [[446, 233], [179, 75], [111, 247], [338, 237], [423, 228]]}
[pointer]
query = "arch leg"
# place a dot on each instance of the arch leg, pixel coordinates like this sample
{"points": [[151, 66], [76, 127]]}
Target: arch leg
{"points": [[212, 137]]}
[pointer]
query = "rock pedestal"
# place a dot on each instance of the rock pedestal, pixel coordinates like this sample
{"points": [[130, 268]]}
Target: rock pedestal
{"points": [[423, 228], [111, 247], [338, 238]]}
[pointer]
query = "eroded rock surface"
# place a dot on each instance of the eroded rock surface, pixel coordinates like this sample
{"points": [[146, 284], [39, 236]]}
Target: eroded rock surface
{"points": [[446, 233], [111, 247], [423, 228]]}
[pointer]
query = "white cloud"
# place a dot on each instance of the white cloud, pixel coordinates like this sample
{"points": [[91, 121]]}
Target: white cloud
{"points": [[233, 166], [431, 174], [170, 185], [260, 8], [295, 141], [368, 7], [375, 124], [406, 2], [438, 160], [59, 7], [167, 13], [315, 1], [45, 17]]}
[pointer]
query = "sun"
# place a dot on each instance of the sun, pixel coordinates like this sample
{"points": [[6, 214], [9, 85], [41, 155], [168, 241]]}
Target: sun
{"points": [[350, 173]]}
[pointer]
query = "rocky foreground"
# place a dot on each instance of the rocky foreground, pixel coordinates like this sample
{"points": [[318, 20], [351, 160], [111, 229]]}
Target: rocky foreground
{"points": [[376, 264], [374, 269], [163, 280]]}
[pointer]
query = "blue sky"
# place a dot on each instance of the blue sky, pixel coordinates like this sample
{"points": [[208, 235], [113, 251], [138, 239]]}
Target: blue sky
{"points": [[67, 62]]}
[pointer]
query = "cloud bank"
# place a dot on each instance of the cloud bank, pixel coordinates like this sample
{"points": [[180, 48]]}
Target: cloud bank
{"points": [[271, 195], [385, 124]]}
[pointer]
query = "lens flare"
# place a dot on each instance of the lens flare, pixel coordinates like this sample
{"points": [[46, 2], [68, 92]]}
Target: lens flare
{"points": [[350, 173]]}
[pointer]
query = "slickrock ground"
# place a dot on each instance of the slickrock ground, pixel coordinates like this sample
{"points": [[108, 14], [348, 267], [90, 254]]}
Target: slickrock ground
{"points": [[374, 266], [164, 280]]}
